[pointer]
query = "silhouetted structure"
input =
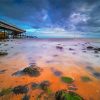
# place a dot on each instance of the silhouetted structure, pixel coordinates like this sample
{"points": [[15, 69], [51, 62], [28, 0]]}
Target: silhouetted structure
{"points": [[10, 31]]}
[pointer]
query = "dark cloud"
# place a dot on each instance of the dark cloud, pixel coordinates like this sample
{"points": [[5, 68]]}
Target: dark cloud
{"points": [[81, 15]]}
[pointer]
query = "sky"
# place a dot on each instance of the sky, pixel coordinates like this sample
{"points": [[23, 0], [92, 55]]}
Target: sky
{"points": [[53, 18]]}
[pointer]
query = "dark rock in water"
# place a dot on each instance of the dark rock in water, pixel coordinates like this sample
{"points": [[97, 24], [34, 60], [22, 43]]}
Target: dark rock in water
{"points": [[84, 51], [5, 44], [90, 68], [56, 72], [59, 47], [26, 97], [65, 95], [18, 73], [55, 55], [2, 71], [35, 85], [50, 61], [97, 56], [96, 74], [90, 47], [2, 53], [20, 89], [32, 71], [71, 49], [44, 85], [97, 49]]}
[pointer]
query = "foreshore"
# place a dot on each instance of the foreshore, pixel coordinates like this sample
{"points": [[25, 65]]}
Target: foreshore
{"points": [[78, 59]]}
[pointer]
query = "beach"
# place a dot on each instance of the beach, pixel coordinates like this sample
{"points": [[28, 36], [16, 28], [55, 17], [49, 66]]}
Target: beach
{"points": [[78, 59]]}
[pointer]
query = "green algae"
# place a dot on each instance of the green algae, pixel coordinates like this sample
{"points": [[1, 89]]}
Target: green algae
{"points": [[85, 78], [67, 79], [5, 91], [64, 95]]}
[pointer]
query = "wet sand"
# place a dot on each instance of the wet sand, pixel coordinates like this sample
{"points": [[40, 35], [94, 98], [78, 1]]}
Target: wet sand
{"points": [[56, 58]]}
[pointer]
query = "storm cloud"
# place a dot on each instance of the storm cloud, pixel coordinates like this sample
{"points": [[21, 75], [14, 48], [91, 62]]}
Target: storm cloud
{"points": [[72, 15]]}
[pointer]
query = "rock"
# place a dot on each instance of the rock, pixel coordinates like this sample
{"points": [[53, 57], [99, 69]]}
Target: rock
{"points": [[35, 85], [56, 72], [71, 49], [31, 71], [20, 89], [55, 55], [90, 68], [90, 47], [65, 95], [26, 97], [97, 56], [44, 85], [2, 53], [96, 74], [59, 47], [2, 71], [97, 49], [84, 51]]}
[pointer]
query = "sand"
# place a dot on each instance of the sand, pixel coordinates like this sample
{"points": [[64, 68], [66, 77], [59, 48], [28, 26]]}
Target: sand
{"points": [[72, 60]]}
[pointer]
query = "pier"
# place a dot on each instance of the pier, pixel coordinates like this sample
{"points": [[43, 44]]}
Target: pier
{"points": [[10, 31]]}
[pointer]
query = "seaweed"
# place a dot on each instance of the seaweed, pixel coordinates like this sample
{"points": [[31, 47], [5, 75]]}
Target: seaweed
{"points": [[64, 95], [85, 78], [5, 91], [67, 79]]}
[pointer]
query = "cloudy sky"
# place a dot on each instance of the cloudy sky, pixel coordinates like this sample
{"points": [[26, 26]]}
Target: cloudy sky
{"points": [[55, 15]]}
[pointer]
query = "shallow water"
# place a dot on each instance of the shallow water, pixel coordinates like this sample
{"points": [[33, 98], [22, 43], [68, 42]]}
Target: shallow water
{"points": [[73, 60]]}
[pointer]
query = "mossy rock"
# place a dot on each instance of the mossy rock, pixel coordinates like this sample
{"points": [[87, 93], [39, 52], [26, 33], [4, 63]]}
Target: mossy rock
{"points": [[31, 71], [49, 91], [67, 79], [64, 95], [85, 78], [44, 85], [35, 86], [26, 97], [5, 91], [20, 89]]}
